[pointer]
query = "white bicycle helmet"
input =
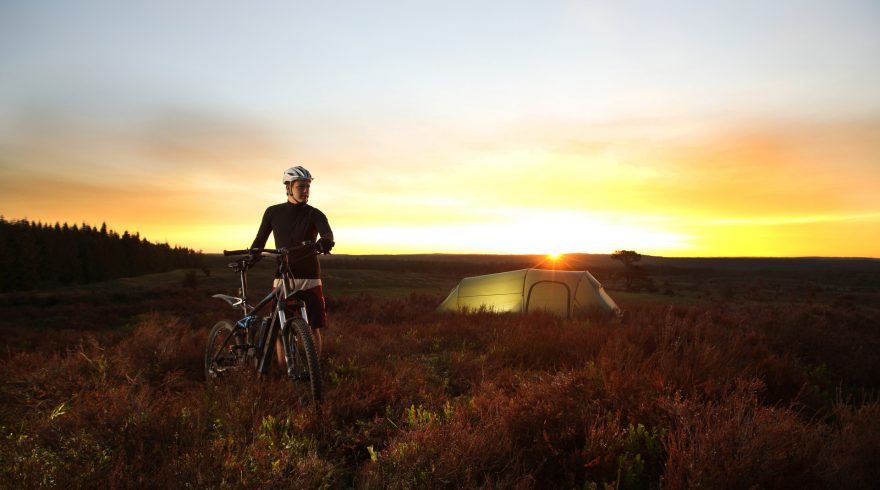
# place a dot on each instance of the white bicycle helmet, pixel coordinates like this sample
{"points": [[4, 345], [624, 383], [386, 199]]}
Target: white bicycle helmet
{"points": [[296, 173]]}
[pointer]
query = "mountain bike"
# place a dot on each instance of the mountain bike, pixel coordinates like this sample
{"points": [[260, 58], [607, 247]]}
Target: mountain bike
{"points": [[250, 341]]}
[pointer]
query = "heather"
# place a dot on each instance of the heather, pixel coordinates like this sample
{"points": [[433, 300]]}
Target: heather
{"points": [[709, 395]]}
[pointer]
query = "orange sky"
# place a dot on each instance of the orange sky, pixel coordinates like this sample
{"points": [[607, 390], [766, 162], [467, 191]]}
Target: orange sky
{"points": [[757, 190], [687, 130]]}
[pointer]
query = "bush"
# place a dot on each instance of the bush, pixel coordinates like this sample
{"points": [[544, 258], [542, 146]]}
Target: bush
{"points": [[673, 397]]}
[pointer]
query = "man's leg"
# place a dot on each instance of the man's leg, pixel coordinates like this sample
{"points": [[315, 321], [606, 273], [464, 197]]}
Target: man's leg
{"points": [[279, 352], [279, 348]]}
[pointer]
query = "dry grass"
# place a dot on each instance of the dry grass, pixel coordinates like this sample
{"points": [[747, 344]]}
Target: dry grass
{"points": [[739, 396]]}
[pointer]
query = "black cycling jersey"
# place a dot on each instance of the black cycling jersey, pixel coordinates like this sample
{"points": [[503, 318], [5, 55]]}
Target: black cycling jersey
{"points": [[292, 224]]}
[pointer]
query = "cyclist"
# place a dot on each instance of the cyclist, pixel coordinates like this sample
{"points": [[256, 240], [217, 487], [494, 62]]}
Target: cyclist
{"points": [[293, 222]]}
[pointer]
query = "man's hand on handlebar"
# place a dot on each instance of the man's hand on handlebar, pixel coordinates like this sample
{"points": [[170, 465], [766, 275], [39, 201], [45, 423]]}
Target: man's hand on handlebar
{"points": [[254, 256], [324, 245]]}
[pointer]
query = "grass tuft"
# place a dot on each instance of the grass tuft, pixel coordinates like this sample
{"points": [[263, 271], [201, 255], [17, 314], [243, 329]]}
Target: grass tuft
{"points": [[716, 396]]}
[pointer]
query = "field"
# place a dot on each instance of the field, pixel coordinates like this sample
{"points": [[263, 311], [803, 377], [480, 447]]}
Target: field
{"points": [[727, 373]]}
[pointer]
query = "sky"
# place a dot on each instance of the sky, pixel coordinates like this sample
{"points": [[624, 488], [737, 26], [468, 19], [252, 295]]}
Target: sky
{"points": [[677, 128]]}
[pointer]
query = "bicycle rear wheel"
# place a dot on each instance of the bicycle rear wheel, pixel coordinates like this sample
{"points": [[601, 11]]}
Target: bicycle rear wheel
{"points": [[226, 350], [306, 367]]}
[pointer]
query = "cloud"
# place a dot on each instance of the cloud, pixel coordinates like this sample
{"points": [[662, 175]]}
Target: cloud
{"points": [[674, 182], [168, 136], [173, 167], [751, 168], [802, 170], [194, 139]]}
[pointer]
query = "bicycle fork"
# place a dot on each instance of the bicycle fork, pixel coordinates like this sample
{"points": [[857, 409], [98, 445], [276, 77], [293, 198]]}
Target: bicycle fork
{"points": [[267, 352], [280, 319]]}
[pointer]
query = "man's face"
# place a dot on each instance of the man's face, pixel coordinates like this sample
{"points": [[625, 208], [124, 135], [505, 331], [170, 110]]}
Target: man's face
{"points": [[300, 191]]}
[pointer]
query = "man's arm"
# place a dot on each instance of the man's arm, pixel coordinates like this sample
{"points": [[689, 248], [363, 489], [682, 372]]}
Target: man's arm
{"points": [[264, 231], [326, 242]]}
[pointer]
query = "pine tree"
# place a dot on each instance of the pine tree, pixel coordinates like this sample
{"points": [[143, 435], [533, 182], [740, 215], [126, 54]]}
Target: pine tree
{"points": [[34, 254]]}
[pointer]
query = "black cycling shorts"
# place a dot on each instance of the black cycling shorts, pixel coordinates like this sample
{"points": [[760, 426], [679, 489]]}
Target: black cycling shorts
{"points": [[316, 306]]}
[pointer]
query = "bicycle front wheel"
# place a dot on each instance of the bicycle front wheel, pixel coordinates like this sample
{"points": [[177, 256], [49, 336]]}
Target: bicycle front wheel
{"points": [[305, 367], [226, 350]]}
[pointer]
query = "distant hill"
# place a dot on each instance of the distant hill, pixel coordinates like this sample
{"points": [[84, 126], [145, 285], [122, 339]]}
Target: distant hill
{"points": [[757, 277], [603, 261]]}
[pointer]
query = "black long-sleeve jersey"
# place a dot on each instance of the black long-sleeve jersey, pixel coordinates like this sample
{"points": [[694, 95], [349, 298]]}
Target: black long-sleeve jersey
{"points": [[292, 224]]}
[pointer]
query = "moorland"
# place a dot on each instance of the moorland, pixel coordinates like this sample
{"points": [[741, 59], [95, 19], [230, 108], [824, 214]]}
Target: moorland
{"points": [[723, 373]]}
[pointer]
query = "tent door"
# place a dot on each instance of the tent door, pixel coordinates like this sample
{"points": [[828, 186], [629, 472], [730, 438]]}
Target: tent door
{"points": [[551, 296]]}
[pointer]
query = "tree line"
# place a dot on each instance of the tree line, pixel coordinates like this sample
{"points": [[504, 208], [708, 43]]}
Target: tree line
{"points": [[34, 255]]}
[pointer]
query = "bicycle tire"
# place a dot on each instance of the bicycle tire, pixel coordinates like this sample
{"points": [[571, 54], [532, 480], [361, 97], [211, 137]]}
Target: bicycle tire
{"points": [[221, 352], [306, 364]]}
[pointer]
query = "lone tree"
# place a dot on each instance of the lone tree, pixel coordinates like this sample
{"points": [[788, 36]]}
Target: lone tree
{"points": [[628, 258]]}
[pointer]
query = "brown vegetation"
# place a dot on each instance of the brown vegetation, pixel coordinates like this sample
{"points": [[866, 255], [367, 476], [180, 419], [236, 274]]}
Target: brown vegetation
{"points": [[723, 396]]}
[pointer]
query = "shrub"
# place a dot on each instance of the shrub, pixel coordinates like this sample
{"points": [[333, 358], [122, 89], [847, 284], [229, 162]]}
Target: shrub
{"points": [[675, 397]]}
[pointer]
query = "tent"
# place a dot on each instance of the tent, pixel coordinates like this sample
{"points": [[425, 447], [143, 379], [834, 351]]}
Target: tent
{"points": [[563, 293]]}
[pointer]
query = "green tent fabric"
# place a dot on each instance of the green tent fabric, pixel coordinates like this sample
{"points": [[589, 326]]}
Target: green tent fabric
{"points": [[563, 293]]}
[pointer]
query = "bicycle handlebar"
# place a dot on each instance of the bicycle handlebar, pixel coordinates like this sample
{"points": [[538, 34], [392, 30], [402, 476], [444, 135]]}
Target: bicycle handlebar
{"points": [[275, 251]]}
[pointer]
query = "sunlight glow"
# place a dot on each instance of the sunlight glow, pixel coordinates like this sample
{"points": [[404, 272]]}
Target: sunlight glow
{"points": [[657, 137], [517, 231]]}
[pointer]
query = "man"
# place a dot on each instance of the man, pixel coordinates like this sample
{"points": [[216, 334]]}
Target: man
{"points": [[293, 222]]}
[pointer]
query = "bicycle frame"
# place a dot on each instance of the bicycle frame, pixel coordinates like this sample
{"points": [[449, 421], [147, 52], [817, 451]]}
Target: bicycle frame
{"points": [[283, 299]]}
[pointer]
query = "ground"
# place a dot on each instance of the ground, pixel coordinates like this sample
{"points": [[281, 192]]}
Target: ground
{"points": [[731, 373]]}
